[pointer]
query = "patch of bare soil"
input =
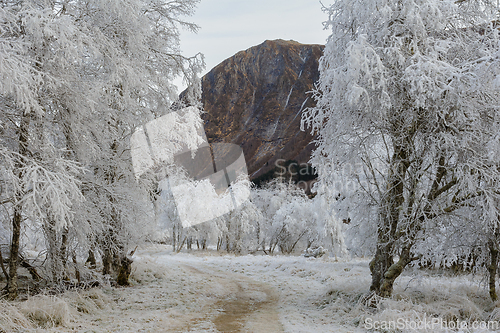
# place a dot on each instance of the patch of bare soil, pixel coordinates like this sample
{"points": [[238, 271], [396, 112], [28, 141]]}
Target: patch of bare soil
{"points": [[251, 309], [250, 306]]}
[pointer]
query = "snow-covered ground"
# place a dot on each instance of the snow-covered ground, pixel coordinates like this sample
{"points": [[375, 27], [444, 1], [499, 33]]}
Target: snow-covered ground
{"points": [[213, 292]]}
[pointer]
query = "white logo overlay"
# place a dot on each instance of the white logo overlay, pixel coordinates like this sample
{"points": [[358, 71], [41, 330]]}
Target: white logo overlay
{"points": [[215, 171]]}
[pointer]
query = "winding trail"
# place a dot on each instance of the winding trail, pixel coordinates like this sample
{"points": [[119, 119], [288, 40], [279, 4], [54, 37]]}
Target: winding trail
{"points": [[249, 307], [208, 293]]}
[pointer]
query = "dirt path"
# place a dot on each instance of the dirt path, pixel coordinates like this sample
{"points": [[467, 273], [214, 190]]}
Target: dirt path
{"points": [[249, 307]]}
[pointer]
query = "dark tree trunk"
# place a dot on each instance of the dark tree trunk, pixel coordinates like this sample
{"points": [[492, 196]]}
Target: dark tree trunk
{"points": [[174, 239], [181, 244], [4, 270], [394, 272], [63, 250], [492, 270], [379, 265], [91, 259], [17, 218], [116, 263], [14, 254], [125, 270], [107, 260], [34, 274]]}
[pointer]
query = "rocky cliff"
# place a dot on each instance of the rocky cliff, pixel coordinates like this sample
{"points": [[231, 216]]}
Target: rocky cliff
{"points": [[255, 98]]}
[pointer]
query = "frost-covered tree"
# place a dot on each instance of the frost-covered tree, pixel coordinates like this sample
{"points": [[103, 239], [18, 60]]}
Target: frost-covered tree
{"points": [[269, 199], [407, 106], [237, 233], [276, 217], [76, 78], [291, 221], [327, 223]]}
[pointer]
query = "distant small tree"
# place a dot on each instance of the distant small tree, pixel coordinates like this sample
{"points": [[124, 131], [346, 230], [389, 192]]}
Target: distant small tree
{"points": [[238, 234], [291, 221], [269, 199]]}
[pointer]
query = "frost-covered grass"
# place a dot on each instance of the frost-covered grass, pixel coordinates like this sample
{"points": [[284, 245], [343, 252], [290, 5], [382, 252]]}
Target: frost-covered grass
{"points": [[325, 295], [11, 318], [47, 313], [192, 292]]}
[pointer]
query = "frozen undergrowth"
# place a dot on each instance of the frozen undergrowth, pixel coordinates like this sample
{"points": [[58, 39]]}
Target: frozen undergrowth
{"points": [[45, 312], [184, 293]]}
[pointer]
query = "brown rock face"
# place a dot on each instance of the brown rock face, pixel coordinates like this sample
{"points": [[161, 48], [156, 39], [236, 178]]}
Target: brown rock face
{"points": [[255, 98]]}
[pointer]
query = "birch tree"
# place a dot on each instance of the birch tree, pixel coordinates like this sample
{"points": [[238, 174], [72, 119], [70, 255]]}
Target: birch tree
{"points": [[76, 78], [407, 101]]}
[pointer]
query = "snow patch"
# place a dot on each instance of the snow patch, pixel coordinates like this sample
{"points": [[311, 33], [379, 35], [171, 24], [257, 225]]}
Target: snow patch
{"points": [[288, 98]]}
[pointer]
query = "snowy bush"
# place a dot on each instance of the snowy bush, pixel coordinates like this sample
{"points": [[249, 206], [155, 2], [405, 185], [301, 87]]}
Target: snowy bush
{"points": [[291, 221], [46, 311], [316, 252]]}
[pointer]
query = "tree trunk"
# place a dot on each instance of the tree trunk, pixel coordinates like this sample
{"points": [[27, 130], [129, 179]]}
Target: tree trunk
{"points": [[107, 260], [394, 272], [91, 259], [34, 274], [4, 270], [174, 238], [382, 263], [492, 270], [181, 245], [63, 256], [125, 270], [53, 251], [17, 218], [117, 260], [77, 270], [14, 254], [379, 265]]}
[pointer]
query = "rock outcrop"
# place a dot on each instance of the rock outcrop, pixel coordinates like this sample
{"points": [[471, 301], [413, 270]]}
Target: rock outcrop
{"points": [[255, 98]]}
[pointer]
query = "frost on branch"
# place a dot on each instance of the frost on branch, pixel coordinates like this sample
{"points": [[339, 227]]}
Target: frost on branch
{"points": [[80, 78], [407, 110]]}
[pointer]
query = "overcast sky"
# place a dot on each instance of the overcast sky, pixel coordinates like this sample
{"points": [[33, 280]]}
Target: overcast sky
{"points": [[229, 26]]}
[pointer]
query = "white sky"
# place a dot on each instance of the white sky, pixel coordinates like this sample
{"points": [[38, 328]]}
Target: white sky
{"points": [[229, 26]]}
